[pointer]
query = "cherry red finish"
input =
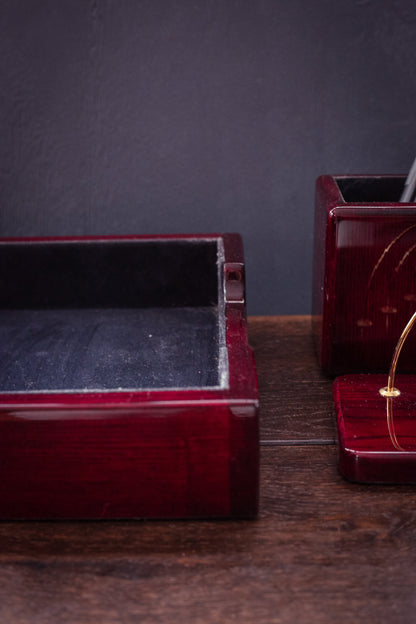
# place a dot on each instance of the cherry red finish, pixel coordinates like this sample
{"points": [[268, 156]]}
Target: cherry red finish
{"points": [[377, 436], [145, 454], [364, 273]]}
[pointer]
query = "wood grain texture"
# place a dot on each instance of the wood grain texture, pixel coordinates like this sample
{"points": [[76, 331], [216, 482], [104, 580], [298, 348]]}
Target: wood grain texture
{"points": [[364, 289], [322, 550], [376, 434], [315, 553], [295, 395]]}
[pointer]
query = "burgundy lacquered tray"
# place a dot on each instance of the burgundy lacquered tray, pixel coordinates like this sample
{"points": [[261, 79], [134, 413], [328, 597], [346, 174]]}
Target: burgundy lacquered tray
{"points": [[364, 273], [376, 434], [127, 386]]}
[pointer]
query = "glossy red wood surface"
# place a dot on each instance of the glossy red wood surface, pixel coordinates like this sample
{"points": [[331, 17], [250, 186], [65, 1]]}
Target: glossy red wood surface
{"points": [[364, 273], [139, 454], [376, 435]]}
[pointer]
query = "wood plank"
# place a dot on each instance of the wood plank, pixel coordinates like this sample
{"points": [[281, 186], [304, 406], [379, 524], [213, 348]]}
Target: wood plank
{"points": [[295, 396], [322, 549]]}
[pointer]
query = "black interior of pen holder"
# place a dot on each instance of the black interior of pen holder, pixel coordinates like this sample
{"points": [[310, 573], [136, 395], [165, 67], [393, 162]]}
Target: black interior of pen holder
{"points": [[111, 315], [372, 189]]}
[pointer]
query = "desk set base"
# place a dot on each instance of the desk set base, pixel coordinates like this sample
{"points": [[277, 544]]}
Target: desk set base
{"points": [[376, 435]]}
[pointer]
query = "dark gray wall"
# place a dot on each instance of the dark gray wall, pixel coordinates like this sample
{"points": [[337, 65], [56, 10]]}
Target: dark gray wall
{"points": [[129, 116]]}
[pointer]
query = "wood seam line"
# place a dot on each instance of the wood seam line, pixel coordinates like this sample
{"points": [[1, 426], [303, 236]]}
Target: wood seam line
{"points": [[323, 442]]}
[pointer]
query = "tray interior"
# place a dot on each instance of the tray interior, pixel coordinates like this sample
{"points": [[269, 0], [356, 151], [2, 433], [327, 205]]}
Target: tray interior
{"points": [[111, 315]]}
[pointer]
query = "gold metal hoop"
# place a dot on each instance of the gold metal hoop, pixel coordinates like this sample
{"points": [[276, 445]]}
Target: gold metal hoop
{"points": [[390, 390]]}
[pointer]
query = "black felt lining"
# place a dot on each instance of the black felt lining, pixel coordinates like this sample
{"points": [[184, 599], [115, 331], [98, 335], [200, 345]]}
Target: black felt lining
{"points": [[110, 315], [108, 349], [123, 274], [376, 189]]}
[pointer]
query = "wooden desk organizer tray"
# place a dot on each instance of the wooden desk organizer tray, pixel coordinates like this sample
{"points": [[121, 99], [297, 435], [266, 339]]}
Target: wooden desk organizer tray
{"points": [[364, 273], [127, 386]]}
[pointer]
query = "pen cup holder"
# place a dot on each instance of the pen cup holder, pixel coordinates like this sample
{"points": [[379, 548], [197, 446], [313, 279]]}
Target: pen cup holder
{"points": [[364, 286]]}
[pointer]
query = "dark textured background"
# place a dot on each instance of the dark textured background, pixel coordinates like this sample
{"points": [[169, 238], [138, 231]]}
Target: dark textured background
{"points": [[129, 116]]}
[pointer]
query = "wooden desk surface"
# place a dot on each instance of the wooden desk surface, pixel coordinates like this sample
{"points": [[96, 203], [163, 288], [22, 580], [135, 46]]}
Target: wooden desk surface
{"points": [[322, 550]]}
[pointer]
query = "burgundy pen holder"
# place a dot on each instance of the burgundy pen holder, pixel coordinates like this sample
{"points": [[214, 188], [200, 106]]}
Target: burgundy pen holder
{"points": [[364, 286], [127, 385], [364, 293]]}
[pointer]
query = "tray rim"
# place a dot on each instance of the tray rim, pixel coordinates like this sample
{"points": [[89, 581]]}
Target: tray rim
{"points": [[242, 384]]}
